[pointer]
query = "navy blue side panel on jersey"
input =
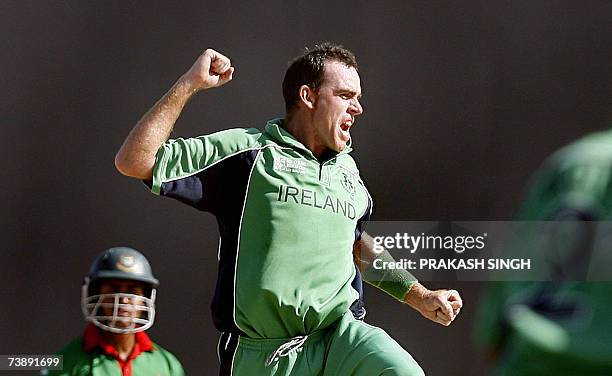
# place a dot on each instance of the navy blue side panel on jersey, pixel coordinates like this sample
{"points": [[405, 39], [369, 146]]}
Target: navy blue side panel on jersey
{"points": [[226, 350], [221, 190], [364, 218], [358, 306]]}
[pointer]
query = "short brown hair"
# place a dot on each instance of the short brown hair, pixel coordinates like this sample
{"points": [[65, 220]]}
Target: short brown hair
{"points": [[308, 68]]}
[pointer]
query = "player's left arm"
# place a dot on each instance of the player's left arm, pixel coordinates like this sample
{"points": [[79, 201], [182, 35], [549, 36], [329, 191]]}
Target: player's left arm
{"points": [[441, 306]]}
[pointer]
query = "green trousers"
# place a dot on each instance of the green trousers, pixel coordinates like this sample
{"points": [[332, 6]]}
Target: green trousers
{"points": [[350, 347]]}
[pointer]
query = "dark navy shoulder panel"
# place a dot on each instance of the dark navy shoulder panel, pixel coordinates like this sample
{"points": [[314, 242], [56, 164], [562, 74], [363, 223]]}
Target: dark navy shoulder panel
{"points": [[220, 189], [216, 189]]}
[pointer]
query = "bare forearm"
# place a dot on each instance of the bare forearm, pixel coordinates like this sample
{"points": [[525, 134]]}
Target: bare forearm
{"points": [[365, 255], [441, 306], [136, 156], [395, 282]]}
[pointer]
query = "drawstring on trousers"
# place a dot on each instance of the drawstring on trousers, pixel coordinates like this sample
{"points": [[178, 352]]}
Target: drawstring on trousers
{"points": [[294, 344]]}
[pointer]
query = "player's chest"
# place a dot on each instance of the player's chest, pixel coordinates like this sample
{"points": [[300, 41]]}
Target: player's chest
{"points": [[287, 179]]}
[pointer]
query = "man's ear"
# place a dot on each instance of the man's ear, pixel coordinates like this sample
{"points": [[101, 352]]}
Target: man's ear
{"points": [[307, 96]]}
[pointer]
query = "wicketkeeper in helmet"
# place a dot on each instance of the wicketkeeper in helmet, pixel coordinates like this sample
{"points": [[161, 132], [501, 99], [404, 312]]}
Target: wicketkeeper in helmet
{"points": [[118, 301]]}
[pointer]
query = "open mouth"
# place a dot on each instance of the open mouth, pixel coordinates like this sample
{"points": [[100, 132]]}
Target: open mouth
{"points": [[345, 126]]}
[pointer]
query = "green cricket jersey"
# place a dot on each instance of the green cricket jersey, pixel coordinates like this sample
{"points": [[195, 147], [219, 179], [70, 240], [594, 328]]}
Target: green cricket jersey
{"points": [[567, 327], [82, 361], [287, 223]]}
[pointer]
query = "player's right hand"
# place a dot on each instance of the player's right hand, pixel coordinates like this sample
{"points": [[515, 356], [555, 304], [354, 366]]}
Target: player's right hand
{"points": [[211, 69]]}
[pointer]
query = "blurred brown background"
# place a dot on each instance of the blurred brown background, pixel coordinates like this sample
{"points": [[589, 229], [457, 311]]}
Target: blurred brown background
{"points": [[462, 100]]}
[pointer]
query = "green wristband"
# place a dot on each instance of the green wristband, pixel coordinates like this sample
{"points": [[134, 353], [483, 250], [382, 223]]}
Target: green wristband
{"points": [[395, 282]]}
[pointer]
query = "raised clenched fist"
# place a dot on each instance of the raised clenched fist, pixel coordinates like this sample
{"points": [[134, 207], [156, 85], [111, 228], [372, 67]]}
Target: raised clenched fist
{"points": [[211, 69]]}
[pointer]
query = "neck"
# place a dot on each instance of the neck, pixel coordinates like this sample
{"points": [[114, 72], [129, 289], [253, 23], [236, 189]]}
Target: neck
{"points": [[124, 343], [300, 125]]}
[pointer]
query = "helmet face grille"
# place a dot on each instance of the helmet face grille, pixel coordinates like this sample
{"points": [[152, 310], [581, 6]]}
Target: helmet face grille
{"points": [[119, 312]]}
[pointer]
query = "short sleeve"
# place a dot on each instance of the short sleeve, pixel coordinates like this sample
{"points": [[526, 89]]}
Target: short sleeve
{"points": [[180, 158]]}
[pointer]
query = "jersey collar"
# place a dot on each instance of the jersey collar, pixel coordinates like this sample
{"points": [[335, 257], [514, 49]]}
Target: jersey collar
{"points": [[275, 129], [93, 339]]}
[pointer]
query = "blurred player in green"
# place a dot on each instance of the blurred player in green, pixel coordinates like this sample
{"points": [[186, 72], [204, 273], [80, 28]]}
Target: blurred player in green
{"points": [[118, 301], [559, 328]]}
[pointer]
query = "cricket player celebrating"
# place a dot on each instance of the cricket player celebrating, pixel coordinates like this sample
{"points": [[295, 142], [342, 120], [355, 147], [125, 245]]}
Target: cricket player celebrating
{"points": [[290, 203]]}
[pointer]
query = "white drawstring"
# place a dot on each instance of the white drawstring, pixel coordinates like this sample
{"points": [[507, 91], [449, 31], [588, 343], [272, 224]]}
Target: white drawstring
{"points": [[295, 344]]}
